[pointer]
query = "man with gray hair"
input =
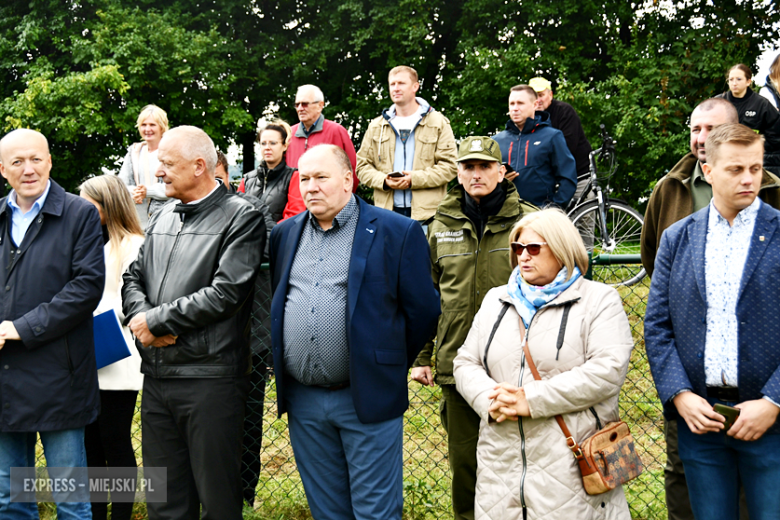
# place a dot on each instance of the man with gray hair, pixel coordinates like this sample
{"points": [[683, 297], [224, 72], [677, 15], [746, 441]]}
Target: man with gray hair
{"points": [[312, 130], [187, 299]]}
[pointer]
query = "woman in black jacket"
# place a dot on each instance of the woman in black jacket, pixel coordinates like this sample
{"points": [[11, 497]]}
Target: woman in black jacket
{"points": [[269, 183], [771, 90], [755, 112]]}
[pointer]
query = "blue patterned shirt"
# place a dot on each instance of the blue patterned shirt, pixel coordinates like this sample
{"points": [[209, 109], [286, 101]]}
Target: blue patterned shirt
{"points": [[316, 350], [724, 262]]}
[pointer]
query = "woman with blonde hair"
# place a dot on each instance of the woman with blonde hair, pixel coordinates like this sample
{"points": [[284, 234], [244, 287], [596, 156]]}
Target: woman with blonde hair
{"points": [[141, 163], [580, 340], [771, 90], [107, 440]]}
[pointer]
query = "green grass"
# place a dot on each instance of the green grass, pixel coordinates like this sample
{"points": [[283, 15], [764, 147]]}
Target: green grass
{"points": [[280, 494]]}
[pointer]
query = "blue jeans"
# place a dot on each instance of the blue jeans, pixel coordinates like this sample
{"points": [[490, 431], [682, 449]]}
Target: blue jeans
{"points": [[63, 449], [349, 470], [716, 463]]}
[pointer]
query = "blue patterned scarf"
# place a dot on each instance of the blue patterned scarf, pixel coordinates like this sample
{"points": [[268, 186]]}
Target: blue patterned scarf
{"points": [[528, 298]]}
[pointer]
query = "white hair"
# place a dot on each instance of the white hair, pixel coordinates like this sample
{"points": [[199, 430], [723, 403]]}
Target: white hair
{"points": [[318, 95], [195, 143]]}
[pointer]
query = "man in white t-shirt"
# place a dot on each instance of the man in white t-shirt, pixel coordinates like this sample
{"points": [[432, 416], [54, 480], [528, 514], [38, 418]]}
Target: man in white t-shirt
{"points": [[408, 153]]}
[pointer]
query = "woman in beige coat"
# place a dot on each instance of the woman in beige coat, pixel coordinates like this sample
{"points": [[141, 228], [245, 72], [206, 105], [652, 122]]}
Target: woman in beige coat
{"points": [[580, 340]]}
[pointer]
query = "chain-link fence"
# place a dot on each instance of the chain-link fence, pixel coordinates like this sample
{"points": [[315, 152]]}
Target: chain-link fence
{"points": [[279, 492]]}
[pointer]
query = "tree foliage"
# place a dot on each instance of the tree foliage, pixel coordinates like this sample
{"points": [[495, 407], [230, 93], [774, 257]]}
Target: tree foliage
{"points": [[79, 71]]}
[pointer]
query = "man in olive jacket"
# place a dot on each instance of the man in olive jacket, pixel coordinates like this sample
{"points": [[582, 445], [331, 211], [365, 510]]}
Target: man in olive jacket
{"points": [[408, 152], [469, 241], [683, 190], [187, 299]]}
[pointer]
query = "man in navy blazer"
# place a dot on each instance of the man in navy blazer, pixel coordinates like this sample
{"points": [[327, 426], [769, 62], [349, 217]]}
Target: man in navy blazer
{"points": [[353, 305], [711, 336]]}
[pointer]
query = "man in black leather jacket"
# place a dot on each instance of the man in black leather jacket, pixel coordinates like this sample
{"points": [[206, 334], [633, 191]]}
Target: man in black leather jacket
{"points": [[187, 300]]}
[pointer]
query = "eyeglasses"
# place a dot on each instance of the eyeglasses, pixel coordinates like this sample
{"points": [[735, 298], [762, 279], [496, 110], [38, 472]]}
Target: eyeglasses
{"points": [[305, 104], [533, 249], [263, 144]]}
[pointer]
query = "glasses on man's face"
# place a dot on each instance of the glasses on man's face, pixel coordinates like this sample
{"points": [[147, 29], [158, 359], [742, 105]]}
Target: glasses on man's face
{"points": [[304, 104], [263, 144], [533, 249]]}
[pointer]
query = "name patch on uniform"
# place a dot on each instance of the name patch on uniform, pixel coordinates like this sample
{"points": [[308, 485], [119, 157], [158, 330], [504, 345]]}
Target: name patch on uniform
{"points": [[449, 236]]}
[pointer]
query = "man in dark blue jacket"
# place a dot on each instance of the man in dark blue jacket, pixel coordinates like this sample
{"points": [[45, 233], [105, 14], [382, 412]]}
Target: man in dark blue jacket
{"points": [[51, 248], [353, 305], [545, 169]]}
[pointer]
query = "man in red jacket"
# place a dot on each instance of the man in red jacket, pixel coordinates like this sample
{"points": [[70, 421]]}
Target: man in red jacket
{"points": [[312, 130]]}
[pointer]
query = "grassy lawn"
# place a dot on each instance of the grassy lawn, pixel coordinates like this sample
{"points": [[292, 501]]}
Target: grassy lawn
{"points": [[280, 494]]}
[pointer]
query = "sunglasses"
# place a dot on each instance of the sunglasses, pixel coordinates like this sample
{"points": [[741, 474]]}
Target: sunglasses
{"points": [[304, 104], [533, 249]]}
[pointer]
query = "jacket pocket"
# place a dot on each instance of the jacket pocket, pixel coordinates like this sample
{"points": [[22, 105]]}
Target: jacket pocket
{"points": [[427, 149], [390, 357]]}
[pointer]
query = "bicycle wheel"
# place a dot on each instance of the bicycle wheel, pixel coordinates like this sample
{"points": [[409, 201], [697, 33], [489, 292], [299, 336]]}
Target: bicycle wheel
{"points": [[624, 227]]}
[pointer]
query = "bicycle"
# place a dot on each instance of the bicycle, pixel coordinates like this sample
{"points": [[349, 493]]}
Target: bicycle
{"points": [[608, 226]]}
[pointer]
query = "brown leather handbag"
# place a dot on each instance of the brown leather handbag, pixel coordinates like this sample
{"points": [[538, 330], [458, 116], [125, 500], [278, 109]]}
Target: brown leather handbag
{"points": [[607, 459]]}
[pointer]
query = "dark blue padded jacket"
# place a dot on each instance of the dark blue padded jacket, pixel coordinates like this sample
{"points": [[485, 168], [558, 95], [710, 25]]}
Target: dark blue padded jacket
{"points": [[546, 169]]}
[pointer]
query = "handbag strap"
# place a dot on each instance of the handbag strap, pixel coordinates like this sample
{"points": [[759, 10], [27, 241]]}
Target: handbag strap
{"points": [[570, 442]]}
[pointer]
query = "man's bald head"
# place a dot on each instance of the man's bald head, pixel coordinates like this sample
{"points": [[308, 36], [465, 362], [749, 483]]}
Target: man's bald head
{"points": [[20, 135], [187, 162], [193, 143], [25, 162]]}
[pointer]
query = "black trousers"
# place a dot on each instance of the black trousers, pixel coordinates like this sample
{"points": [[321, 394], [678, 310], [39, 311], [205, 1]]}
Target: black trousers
{"points": [[253, 428], [193, 427], [109, 445]]}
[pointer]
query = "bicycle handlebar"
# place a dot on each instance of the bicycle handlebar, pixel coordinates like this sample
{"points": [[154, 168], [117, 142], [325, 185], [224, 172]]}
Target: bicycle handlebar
{"points": [[607, 143]]}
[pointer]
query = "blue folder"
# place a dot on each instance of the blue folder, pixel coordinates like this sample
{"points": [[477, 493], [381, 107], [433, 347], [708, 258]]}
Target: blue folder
{"points": [[110, 344]]}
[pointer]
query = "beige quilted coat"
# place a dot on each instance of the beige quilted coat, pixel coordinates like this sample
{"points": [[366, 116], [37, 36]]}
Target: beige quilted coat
{"points": [[527, 462]]}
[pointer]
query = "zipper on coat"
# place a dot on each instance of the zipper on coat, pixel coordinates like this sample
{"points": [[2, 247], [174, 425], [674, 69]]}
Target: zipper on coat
{"points": [[526, 152], [162, 287], [520, 422], [520, 419], [522, 439]]}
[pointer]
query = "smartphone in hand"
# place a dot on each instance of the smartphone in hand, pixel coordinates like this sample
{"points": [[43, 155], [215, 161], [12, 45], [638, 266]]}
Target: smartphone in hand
{"points": [[729, 412], [395, 175]]}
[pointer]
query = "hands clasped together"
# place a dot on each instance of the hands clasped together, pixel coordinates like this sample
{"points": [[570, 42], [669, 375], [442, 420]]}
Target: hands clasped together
{"points": [[140, 330], [139, 194], [508, 402]]}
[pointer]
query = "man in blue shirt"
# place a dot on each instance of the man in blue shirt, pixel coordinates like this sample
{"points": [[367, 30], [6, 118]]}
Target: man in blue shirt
{"points": [[51, 248]]}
